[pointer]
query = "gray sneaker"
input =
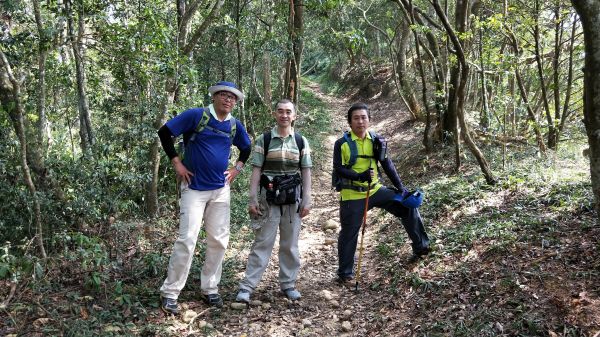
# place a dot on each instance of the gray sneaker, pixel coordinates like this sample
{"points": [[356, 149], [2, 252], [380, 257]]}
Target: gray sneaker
{"points": [[243, 296], [169, 306], [292, 294], [214, 300]]}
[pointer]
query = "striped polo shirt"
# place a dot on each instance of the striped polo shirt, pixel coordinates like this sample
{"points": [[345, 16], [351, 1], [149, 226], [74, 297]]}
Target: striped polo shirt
{"points": [[282, 156]]}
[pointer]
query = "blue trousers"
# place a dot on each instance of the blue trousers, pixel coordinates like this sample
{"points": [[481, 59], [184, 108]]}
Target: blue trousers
{"points": [[351, 215]]}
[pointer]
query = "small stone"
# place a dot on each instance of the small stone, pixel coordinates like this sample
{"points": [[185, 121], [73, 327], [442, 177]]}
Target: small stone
{"points": [[38, 323], [347, 314], [238, 305], [330, 224], [334, 303], [499, 327], [209, 326], [327, 295], [202, 324], [112, 328], [306, 323], [256, 303], [188, 315], [266, 306], [346, 326], [329, 242]]}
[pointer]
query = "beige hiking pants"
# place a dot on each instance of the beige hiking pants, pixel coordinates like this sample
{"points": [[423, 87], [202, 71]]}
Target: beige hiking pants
{"points": [[287, 220], [212, 207]]}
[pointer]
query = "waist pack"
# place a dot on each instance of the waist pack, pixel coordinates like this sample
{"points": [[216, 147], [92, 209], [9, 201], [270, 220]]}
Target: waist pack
{"points": [[281, 190]]}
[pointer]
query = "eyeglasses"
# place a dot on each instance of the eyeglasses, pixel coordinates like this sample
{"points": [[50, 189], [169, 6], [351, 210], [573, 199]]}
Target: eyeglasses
{"points": [[228, 97]]}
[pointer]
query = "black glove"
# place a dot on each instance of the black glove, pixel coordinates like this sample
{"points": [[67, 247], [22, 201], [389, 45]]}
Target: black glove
{"points": [[402, 191], [365, 176], [380, 148]]}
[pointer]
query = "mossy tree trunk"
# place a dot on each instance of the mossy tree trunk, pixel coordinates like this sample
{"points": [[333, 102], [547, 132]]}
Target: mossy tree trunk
{"points": [[589, 12]]}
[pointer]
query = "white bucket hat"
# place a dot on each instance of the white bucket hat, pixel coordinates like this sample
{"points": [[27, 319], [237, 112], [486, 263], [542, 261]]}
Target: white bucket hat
{"points": [[226, 86]]}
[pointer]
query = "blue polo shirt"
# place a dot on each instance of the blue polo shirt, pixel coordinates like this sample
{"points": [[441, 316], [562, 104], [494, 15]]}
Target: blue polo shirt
{"points": [[208, 155]]}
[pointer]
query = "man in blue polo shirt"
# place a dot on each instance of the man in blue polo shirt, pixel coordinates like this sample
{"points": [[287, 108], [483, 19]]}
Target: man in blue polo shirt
{"points": [[205, 195]]}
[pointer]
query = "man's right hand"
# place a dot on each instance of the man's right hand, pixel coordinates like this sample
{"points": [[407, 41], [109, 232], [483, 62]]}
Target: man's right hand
{"points": [[254, 211], [181, 171], [367, 175]]}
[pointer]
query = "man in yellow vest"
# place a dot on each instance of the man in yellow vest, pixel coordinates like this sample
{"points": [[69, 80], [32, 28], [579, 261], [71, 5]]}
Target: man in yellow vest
{"points": [[357, 171]]}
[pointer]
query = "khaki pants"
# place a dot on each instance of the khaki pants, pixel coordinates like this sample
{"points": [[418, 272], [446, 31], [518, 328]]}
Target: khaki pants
{"points": [[212, 207], [287, 220]]}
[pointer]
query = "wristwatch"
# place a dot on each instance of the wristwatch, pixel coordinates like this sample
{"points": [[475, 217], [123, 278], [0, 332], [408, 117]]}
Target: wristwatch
{"points": [[239, 167]]}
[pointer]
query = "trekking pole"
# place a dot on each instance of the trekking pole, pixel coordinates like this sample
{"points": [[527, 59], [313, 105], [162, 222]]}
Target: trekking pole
{"points": [[362, 235]]}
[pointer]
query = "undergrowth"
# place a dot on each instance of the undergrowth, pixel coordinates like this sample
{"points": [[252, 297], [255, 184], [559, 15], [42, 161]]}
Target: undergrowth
{"points": [[489, 241]]}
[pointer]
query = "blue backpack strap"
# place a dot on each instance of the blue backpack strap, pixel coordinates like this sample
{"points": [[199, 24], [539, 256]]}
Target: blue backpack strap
{"points": [[353, 149], [203, 124]]}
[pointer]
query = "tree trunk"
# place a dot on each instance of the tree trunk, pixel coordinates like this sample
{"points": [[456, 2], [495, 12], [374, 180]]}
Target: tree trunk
{"points": [[540, 69], [434, 133], [238, 48], [407, 89], [589, 12], [524, 95], [484, 119], [296, 36], [566, 112], [10, 98], [38, 151], [461, 94], [558, 31], [266, 79], [85, 124]]}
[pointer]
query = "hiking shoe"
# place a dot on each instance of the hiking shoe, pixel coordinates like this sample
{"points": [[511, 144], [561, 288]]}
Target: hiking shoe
{"points": [[214, 300], [345, 280], [243, 296], [292, 294], [422, 251], [169, 306]]}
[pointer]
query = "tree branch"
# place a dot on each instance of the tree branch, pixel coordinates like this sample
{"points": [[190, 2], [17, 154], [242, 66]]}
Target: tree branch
{"points": [[202, 28]]}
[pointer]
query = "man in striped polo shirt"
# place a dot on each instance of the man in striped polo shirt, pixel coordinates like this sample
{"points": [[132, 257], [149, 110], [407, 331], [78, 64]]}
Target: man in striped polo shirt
{"points": [[280, 188]]}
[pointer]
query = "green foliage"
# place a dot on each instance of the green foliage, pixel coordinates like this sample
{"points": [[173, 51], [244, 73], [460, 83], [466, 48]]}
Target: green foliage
{"points": [[87, 254], [16, 267]]}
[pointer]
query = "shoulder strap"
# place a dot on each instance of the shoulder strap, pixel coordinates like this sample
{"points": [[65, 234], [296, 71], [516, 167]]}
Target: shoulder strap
{"points": [[233, 129], [353, 149], [266, 142], [203, 124], [300, 144], [203, 121]]}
